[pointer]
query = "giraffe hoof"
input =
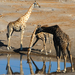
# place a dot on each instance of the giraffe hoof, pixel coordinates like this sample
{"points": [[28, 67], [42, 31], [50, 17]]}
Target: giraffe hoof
{"points": [[8, 55], [8, 48], [46, 53], [58, 70], [72, 69], [28, 53], [42, 50], [50, 51], [64, 71]]}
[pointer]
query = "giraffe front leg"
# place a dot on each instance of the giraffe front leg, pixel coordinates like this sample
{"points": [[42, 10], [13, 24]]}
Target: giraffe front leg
{"points": [[29, 51], [42, 49], [22, 33], [65, 57], [58, 64], [8, 47]]}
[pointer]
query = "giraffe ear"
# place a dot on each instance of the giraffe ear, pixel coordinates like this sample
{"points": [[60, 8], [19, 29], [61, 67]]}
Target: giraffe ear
{"points": [[38, 26], [35, 0]]}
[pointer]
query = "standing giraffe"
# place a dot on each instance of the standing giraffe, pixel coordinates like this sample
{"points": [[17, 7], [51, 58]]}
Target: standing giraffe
{"points": [[62, 43], [19, 25]]}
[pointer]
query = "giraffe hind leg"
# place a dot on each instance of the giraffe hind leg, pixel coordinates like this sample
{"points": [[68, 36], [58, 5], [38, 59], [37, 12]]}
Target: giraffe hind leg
{"points": [[35, 42], [50, 43], [70, 57], [72, 68], [44, 46], [65, 58], [58, 64]]}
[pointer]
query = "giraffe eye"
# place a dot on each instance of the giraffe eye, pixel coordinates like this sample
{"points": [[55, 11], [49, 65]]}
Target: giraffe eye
{"points": [[35, 4]]}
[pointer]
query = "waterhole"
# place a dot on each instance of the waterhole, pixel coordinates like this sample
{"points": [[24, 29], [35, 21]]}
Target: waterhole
{"points": [[21, 64]]}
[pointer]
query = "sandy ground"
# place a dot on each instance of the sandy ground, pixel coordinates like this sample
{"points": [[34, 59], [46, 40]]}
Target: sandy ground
{"points": [[50, 13]]}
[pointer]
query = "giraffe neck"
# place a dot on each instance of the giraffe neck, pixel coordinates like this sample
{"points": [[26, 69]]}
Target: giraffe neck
{"points": [[25, 17], [32, 38]]}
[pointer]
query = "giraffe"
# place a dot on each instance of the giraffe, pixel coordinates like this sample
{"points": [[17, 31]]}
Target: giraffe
{"points": [[9, 69], [19, 25], [43, 36], [62, 43]]}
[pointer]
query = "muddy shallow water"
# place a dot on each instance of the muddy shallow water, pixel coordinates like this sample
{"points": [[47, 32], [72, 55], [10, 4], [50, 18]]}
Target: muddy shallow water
{"points": [[21, 64]]}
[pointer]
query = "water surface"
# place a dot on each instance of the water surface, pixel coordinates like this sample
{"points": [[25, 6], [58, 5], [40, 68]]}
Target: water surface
{"points": [[22, 64]]}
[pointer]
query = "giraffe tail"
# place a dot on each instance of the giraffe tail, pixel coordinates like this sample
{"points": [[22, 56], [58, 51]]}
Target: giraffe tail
{"points": [[7, 32], [7, 35]]}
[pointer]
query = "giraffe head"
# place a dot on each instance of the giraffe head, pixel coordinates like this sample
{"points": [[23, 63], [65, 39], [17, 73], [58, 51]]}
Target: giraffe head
{"points": [[38, 29], [36, 4]]}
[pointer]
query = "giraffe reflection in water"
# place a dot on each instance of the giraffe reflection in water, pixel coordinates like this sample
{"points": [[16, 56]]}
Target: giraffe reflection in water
{"points": [[38, 71], [9, 69]]}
